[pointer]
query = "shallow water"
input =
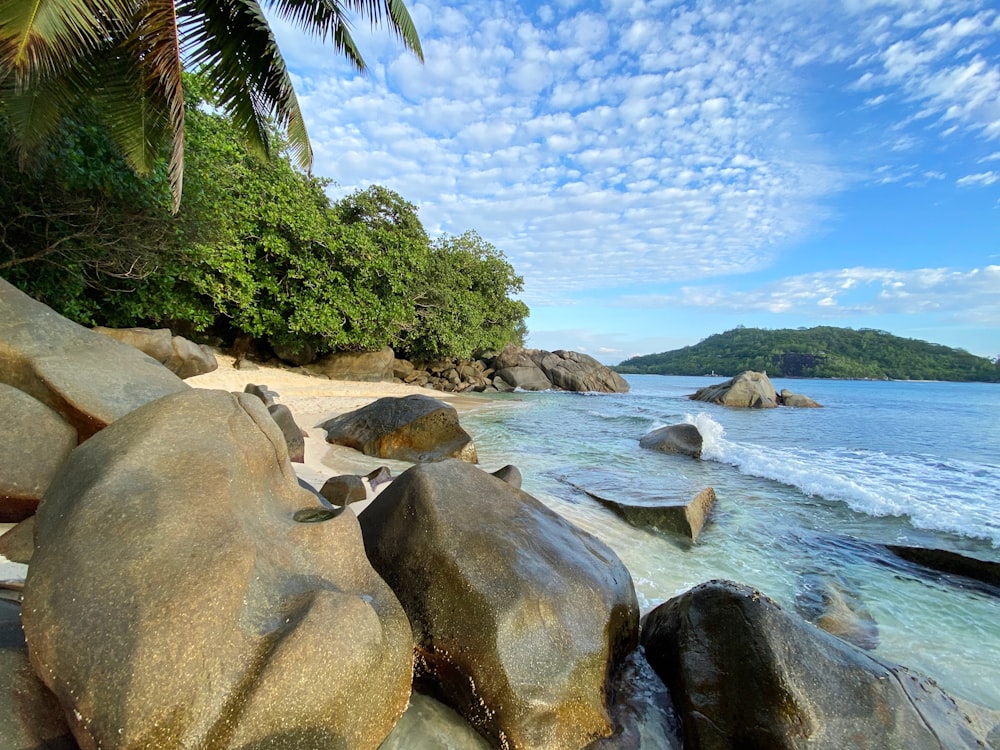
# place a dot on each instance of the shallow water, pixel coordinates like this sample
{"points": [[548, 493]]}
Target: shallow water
{"points": [[800, 492]]}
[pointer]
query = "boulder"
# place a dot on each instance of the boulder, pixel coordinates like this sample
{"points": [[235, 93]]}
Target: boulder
{"points": [[787, 398], [521, 620], [294, 437], [182, 357], [749, 389], [372, 367], [402, 369], [414, 428], [379, 476], [687, 519], [526, 377], [510, 474], [573, 371], [513, 355], [953, 563], [30, 716], [66, 366], [829, 604], [297, 354], [676, 438], [262, 392], [174, 602], [743, 673], [344, 489], [34, 441], [17, 544]]}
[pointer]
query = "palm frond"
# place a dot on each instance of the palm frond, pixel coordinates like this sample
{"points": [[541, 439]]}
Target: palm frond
{"points": [[233, 42], [391, 13]]}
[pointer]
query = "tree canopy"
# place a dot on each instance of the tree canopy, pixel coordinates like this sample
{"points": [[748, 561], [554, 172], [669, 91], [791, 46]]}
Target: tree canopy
{"points": [[258, 250], [820, 352]]}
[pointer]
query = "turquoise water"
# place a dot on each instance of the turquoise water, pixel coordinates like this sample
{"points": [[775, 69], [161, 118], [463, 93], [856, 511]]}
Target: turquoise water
{"points": [[801, 492]]}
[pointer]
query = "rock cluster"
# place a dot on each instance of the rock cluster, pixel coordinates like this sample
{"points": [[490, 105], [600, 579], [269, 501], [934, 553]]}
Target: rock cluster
{"points": [[750, 390], [182, 357]]}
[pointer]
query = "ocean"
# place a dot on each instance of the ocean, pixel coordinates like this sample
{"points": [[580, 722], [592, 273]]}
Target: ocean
{"points": [[802, 495]]}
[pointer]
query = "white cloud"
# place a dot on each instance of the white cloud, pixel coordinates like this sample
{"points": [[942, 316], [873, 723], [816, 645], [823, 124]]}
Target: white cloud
{"points": [[980, 179]]}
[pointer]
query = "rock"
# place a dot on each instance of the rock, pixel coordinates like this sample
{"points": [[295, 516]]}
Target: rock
{"points": [[402, 369], [34, 441], [953, 563], [262, 392], [828, 604], [687, 519], [573, 371], [30, 716], [344, 490], [65, 366], [294, 437], [676, 438], [743, 673], [182, 357], [414, 428], [787, 398], [17, 544], [378, 476], [298, 354], [372, 367], [748, 389], [173, 602], [521, 619], [509, 474], [526, 377], [513, 355]]}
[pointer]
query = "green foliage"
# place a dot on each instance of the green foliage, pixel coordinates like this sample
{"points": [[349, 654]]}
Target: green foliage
{"points": [[821, 352], [257, 250]]}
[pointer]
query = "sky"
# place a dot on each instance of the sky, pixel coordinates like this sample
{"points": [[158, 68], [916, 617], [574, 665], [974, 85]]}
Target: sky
{"points": [[659, 171]]}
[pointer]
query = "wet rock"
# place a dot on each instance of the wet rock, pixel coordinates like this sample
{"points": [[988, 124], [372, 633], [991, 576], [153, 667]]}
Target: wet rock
{"points": [[34, 441], [952, 563], [687, 519], [414, 428], [521, 619], [66, 366], [676, 438], [173, 601], [182, 357], [752, 390], [828, 604], [743, 673]]}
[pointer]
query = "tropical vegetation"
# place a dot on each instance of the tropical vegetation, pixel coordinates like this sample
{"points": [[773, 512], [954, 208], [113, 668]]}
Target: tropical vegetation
{"points": [[257, 250], [820, 352]]}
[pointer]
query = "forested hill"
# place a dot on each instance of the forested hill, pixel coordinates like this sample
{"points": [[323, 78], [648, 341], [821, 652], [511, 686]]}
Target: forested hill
{"points": [[821, 352]]}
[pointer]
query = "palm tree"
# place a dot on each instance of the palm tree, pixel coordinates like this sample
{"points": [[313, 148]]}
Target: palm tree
{"points": [[126, 58]]}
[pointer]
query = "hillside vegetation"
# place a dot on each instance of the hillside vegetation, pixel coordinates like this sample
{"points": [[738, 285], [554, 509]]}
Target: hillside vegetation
{"points": [[821, 352]]}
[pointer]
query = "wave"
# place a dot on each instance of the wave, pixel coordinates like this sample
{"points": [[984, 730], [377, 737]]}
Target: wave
{"points": [[935, 494]]}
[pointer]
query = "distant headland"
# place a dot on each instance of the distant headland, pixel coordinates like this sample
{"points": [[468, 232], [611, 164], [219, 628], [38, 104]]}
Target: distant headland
{"points": [[820, 352]]}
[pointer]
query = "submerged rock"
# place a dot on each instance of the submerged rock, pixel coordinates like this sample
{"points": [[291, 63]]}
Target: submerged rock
{"points": [[676, 438], [953, 563], [743, 673], [521, 619], [686, 519], [828, 604]]}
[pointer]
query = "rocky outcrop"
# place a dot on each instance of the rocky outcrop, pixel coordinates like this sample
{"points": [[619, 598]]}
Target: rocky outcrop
{"points": [[90, 379], [172, 600], [787, 398], [676, 438], [945, 561], [414, 428], [34, 441], [687, 519], [520, 618], [370, 367], [573, 371], [752, 390], [182, 357], [743, 673], [526, 377]]}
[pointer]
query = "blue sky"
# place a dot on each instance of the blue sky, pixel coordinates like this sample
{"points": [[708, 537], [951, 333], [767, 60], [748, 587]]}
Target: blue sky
{"points": [[660, 171]]}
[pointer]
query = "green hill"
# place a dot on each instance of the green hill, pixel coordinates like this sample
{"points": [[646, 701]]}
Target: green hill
{"points": [[821, 352]]}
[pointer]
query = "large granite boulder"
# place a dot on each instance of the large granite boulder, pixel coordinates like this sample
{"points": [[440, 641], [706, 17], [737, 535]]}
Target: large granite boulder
{"points": [[90, 379], [413, 428], [749, 389], [30, 716], [182, 357], [526, 377], [573, 371], [743, 673], [34, 441], [676, 438], [174, 602], [520, 618], [788, 398], [372, 367]]}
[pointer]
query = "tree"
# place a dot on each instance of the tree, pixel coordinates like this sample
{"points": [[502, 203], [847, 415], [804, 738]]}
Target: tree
{"points": [[127, 57]]}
